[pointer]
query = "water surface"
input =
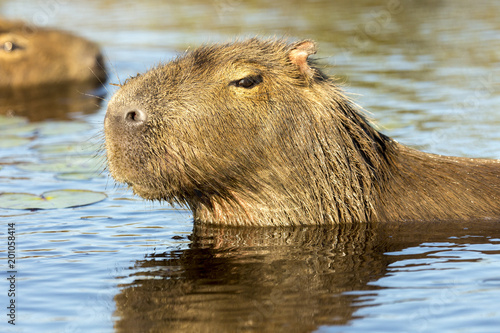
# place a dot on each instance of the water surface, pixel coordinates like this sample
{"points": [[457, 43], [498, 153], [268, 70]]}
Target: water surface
{"points": [[427, 71]]}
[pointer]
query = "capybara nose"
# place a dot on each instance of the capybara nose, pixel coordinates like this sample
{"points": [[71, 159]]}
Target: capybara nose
{"points": [[123, 117], [135, 116]]}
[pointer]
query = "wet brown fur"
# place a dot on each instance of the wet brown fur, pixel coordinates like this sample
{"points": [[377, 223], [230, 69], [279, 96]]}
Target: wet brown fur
{"points": [[290, 150], [33, 56]]}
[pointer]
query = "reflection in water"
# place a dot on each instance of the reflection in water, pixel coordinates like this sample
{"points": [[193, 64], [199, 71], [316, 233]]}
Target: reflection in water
{"points": [[43, 102], [268, 279]]}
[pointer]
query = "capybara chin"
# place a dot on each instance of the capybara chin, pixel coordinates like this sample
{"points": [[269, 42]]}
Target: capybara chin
{"points": [[34, 56], [251, 133]]}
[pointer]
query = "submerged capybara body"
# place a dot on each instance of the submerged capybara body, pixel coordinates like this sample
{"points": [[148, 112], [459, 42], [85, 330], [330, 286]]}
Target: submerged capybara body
{"points": [[251, 133], [33, 56]]}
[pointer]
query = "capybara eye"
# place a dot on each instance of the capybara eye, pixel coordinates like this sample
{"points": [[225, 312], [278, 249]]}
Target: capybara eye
{"points": [[247, 82], [9, 47]]}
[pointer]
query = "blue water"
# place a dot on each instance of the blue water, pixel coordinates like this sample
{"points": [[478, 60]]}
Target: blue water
{"points": [[443, 291], [429, 76]]}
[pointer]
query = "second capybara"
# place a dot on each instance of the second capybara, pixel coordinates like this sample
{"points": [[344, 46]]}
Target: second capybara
{"points": [[252, 133], [34, 56]]}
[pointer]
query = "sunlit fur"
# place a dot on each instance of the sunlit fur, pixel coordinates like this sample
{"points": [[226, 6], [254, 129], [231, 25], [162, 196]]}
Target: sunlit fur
{"points": [[291, 150]]}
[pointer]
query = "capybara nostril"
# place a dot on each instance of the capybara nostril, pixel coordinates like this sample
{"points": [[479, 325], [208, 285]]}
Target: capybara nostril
{"points": [[135, 117]]}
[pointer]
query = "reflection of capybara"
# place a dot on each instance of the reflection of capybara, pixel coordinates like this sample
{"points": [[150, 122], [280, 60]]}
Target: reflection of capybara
{"points": [[282, 279], [250, 133], [37, 103], [242, 280], [36, 56]]}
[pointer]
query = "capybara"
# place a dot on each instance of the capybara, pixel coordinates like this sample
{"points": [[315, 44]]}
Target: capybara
{"points": [[33, 56], [252, 133]]}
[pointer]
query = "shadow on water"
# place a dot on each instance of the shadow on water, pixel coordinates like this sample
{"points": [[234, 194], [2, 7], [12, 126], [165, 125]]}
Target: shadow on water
{"points": [[271, 279]]}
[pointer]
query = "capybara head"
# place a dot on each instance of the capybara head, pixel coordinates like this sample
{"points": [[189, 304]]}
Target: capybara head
{"points": [[247, 132], [32, 56]]}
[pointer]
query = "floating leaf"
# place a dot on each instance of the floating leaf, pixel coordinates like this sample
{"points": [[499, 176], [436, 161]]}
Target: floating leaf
{"points": [[63, 165], [13, 141], [78, 175], [54, 128], [67, 148], [63, 127], [6, 121], [23, 130], [50, 200]]}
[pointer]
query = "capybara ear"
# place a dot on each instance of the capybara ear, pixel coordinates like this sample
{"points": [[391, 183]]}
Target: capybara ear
{"points": [[298, 56]]}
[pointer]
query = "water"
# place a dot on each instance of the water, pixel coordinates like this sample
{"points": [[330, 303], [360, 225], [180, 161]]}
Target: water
{"points": [[428, 73]]}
